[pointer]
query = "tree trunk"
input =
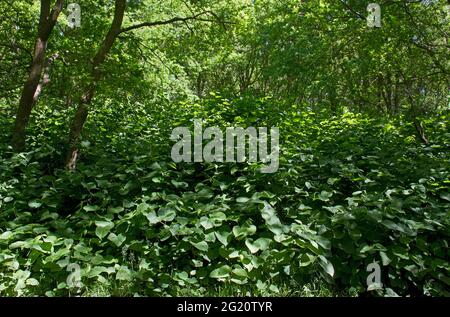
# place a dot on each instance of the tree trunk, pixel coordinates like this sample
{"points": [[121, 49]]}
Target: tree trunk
{"points": [[28, 98], [420, 131], [82, 112]]}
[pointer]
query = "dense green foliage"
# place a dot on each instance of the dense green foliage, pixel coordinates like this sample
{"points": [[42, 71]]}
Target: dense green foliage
{"points": [[358, 180], [350, 190]]}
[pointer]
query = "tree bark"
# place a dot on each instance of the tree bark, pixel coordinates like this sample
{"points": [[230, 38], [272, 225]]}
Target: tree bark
{"points": [[420, 131], [47, 21], [83, 105]]}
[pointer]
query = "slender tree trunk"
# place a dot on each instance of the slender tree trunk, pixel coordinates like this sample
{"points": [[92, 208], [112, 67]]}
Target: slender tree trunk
{"points": [[420, 131], [415, 118], [28, 98], [45, 77], [82, 112]]}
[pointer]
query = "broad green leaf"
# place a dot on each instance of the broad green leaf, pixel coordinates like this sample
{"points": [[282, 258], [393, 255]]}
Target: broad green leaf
{"points": [[202, 245], [166, 214], [221, 272], [34, 204], [103, 228], [325, 196], [124, 274], [118, 240], [115, 210], [90, 208], [6, 235], [244, 231], [152, 217], [222, 236]]}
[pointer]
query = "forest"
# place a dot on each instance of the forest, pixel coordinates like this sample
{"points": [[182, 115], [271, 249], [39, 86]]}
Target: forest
{"points": [[235, 148]]}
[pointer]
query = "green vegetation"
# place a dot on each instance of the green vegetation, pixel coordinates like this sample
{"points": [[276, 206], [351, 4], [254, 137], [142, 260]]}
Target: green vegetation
{"points": [[88, 178]]}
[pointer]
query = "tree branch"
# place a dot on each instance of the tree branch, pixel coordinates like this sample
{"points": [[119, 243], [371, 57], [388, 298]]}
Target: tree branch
{"points": [[196, 17]]}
